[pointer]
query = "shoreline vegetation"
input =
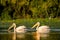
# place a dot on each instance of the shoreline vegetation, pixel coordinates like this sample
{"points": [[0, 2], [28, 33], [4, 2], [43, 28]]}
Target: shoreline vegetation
{"points": [[28, 12], [53, 22], [18, 9]]}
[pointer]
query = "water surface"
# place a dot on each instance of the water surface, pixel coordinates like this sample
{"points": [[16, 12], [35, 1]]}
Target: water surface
{"points": [[54, 35]]}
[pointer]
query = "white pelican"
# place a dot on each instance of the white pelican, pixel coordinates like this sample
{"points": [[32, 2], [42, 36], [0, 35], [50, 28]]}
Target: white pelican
{"points": [[20, 29], [41, 29]]}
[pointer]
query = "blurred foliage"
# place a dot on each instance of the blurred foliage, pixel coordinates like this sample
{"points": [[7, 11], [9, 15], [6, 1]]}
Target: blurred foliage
{"points": [[52, 23], [17, 9]]}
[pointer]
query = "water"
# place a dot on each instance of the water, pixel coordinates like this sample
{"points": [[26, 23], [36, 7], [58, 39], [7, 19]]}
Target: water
{"points": [[53, 35]]}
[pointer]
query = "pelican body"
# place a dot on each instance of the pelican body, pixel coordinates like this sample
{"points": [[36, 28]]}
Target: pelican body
{"points": [[41, 29], [20, 29]]}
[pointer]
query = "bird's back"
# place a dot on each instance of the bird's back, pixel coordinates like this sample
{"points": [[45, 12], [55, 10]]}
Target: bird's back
{"points": [[20, 29], [43, 29]]}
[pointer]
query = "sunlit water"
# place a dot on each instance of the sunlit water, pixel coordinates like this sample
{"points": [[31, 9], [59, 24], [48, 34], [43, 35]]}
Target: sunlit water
{"points": [[53, 35]]}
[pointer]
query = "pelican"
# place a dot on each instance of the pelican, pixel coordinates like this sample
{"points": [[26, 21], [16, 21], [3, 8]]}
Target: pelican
{"points": [[20, 29], [41, 29]]}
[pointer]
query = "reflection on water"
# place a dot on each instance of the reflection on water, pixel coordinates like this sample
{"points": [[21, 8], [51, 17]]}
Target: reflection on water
{"points": [[14, 36], [29, 36], [38, 36]]}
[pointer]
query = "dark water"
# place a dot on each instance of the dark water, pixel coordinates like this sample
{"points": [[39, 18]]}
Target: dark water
{"points": [[29, 36]]}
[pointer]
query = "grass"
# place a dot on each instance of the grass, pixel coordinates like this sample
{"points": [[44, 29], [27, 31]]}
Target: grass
{"points": [[53, 23]]}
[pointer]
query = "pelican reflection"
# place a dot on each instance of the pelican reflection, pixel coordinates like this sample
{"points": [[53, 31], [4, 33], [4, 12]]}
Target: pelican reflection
{"points": [[15, 36], [38, 36]]}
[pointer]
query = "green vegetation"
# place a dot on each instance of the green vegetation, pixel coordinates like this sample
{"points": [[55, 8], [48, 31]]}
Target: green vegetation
{"points": [[28, 12], [53, 23], [17, 9]]}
